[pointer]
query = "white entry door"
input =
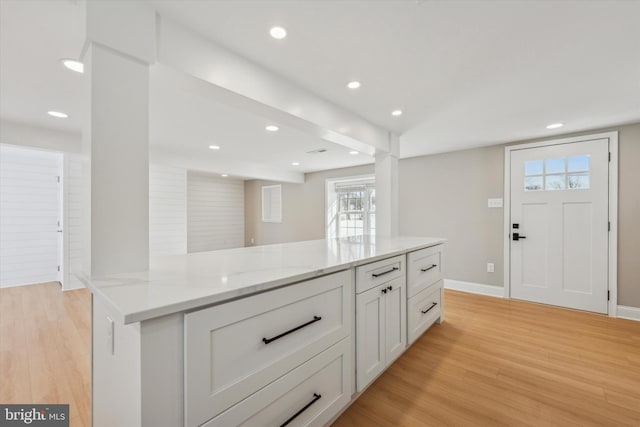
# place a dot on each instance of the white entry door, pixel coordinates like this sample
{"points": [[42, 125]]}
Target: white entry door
{"points": [[559, 224], [30, 197]]}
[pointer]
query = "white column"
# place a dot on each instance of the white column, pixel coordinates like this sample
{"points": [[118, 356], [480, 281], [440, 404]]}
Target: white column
{"points": [[387, 189], [120, 45]]}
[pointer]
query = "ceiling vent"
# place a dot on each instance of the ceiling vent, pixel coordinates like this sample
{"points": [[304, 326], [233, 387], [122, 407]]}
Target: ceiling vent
{"points": [[318, 151]]}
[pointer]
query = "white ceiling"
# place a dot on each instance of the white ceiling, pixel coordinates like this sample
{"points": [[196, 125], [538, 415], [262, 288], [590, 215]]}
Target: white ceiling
{"points": [[466, 73], [245, 145], [34, 36]]}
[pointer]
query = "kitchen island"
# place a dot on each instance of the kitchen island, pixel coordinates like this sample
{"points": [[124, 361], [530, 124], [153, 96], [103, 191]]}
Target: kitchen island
{"points": [[259, 335]]}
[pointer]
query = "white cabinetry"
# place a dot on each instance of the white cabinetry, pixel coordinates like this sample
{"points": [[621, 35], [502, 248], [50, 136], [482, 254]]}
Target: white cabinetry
{"points": [[424, 290], [235, 349], [258, 336], [380, 317], [311, 394]]}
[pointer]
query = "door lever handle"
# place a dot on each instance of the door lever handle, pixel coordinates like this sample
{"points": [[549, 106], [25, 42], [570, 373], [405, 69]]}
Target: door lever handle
{"points": [[517, 236]]}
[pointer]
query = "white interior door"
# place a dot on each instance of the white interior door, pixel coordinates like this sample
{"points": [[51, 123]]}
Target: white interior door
{"points": [[559, 225], [30, 197]]}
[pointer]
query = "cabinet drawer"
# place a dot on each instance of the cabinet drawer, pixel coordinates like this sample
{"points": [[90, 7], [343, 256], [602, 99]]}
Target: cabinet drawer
{"points": [[424, 309], [424, 268], [322, 386], [234, 349], [371, 275]]}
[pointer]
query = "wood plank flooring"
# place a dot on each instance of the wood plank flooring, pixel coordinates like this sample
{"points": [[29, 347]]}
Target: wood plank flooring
{"points": [[498, 362], [45, 348], [493, 362]]}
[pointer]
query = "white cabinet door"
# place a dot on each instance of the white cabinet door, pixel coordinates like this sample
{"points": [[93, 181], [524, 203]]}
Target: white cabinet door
{"points": [[370, 335], [395, 320], [381, 323]]}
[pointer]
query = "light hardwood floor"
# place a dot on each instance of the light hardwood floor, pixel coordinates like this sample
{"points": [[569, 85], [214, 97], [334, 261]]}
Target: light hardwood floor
{"points": [[45, 349], [493, 362], [498, 362]]}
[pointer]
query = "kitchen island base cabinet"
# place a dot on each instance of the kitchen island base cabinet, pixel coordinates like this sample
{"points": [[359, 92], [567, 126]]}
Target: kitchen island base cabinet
{"points": [[424, 309], [380, 329], [276, 335], [235, 349], [310, 395]]}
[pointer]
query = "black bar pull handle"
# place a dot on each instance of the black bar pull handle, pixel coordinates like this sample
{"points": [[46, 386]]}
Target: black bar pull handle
{"points": [[518, 236], [384, 272], [316, 397], [389, 288], [433, 304], [383, 290], [268, 340], [428, 268]]}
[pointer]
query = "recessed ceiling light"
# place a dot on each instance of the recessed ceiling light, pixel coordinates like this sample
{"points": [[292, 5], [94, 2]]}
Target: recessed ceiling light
{"points": [[73, 65], [278, 33], [224, 175], [272, 128], [58, 114], [354, 84], [354, 152], [555, 125], [396, 113], [295, 164], [214, 147]]}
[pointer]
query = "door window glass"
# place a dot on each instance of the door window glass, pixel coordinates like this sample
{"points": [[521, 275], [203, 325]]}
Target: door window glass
{"points": [[560, 173], [554, 165], [578, 164], [554, 182], [533, 167]]}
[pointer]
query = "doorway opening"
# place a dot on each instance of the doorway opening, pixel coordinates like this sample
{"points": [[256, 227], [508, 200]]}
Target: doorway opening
{"points": [[31, 216]]}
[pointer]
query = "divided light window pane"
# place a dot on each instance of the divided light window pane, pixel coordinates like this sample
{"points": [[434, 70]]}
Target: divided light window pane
{"points": [[578, 181], [555, 182], [554, 165], [533, 167], [533, 183], [579, 163]]}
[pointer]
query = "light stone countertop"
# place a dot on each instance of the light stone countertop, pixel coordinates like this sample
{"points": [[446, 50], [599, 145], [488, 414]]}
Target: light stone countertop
{"points": [[184, 282]]}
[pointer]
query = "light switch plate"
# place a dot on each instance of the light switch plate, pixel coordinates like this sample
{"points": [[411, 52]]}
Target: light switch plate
{"points": [[494, 203]]}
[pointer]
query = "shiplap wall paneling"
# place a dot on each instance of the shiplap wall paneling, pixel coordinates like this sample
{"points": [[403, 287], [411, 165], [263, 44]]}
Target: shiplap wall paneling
{"points": [[29, 212], [167, 211], [215, 212], [72, 187]]}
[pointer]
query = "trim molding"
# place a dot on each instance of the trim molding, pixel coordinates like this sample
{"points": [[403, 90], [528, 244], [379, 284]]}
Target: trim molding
{"points": [[475, 288], [630, 313]]}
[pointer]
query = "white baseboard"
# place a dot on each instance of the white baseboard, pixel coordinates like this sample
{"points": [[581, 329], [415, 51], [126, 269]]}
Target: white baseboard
{"points": [[474, 288], [631, 313]]}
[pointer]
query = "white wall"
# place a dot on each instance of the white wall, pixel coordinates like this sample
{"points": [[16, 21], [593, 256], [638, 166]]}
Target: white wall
{"points": [[167, 211], [215, 212], [15, 133], [303, 208], [29, 211]]}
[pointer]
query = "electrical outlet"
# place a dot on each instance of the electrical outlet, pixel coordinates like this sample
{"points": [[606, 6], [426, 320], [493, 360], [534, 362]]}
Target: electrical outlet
{"points": [[110, 333], [253, 241], [490, 267]]}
